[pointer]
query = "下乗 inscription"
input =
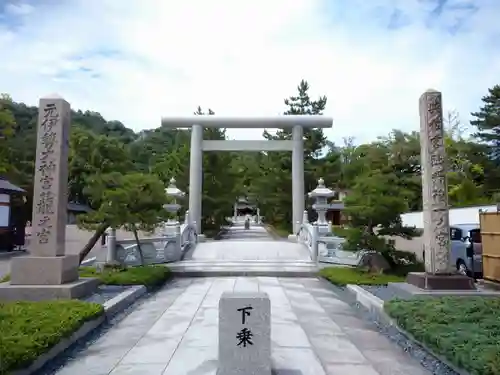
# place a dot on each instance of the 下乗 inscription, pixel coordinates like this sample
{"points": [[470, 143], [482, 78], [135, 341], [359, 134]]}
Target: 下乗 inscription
{"points": [[244, 336]]}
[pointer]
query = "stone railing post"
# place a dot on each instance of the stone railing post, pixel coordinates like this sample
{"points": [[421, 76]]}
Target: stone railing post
{"points": [[111, 245], [315, 240], [305, 217]]}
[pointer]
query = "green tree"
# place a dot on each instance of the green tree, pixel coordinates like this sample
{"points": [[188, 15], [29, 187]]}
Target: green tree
{"points": [[218, 182], [487, 121], [133, 201], [91, 155], [275, 185], [374, 207], [7, 129]]}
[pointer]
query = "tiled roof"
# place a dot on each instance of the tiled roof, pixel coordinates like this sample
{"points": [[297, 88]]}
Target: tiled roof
{"points": [[6, 186]]}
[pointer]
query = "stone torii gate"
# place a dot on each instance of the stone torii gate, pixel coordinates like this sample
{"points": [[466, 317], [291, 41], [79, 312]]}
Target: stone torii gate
{"points": [[296, 122]]}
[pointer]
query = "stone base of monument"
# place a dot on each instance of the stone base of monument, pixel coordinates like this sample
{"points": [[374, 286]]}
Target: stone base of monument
{"points": [[429, 281], [45, 278], [438, 286]]}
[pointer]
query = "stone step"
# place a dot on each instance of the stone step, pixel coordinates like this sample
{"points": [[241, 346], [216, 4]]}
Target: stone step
{"points": [[244, 268]]}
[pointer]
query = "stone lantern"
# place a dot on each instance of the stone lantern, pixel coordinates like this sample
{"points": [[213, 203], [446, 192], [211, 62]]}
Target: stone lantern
{"points": [[321, 195], [174, 192]]}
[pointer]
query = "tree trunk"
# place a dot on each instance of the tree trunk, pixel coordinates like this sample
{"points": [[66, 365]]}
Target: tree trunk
{"points": [[93, 240], [139, 249]]}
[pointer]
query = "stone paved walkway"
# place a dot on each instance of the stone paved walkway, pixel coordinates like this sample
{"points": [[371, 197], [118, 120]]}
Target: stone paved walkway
{"points": [[175, 333], [251, 244]]}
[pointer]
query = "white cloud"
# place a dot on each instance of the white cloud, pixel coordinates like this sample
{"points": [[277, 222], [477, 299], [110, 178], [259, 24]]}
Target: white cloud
{"points": [[137, 61]]}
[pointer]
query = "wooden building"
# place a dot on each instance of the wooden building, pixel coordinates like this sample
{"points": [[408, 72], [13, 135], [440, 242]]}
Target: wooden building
{"points": [[12, 222]]}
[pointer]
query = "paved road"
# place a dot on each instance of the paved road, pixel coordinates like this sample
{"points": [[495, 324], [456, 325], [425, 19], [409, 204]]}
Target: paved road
{"points": [[314, 332]]}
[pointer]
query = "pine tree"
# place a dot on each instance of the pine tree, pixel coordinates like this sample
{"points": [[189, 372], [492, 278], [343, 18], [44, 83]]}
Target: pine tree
{"points": [[276, 185], [488, 121]]}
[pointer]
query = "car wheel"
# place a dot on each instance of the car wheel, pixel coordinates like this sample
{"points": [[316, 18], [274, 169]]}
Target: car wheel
{"points": [[462, 268]]}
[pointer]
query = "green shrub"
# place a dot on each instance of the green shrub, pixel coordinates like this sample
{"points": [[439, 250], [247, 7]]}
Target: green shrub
{"points": [[5, 278], [29, 329], [465, 330], [346, 275], [150, 276], [340, 231]]}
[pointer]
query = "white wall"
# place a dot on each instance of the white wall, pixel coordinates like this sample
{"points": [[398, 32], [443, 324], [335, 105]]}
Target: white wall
{"points": [[467, 215]]}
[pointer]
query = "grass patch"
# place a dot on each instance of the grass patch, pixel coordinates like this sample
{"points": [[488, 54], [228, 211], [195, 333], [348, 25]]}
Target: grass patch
{"points": [[464, 330], [346, 275], [151, 276], [29, 329]]}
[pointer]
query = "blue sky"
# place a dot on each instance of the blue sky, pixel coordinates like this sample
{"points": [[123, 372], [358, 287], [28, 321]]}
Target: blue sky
{"points": [[136, 61]]}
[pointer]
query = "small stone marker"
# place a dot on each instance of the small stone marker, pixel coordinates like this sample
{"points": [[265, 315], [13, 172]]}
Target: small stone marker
{"points": [[244, 334]]}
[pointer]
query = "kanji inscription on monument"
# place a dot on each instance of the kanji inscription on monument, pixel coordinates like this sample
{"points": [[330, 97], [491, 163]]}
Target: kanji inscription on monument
{"points": [[50, 196], [244, 334], [434, 184]]}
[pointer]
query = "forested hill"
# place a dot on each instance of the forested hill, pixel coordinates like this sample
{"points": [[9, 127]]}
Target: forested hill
{"points": [[21, 141], [384, 173]]}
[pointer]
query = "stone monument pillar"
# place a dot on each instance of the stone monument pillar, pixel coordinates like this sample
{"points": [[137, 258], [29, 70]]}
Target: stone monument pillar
{"points": [[297, 176], [439, 272], [48, 272]]}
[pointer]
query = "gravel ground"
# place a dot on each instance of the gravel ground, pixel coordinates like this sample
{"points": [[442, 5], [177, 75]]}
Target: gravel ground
{"points": [[428, 361], [105, 293], [382, 292]]}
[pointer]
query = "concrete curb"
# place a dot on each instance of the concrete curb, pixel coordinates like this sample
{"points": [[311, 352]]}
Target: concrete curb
{"points": [[88, 262], [365, 298], [376, 306], [111, 308], [123, 300]]}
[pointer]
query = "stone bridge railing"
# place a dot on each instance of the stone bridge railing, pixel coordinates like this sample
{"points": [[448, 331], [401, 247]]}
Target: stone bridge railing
{"points": [[171, 246], [308, 235], [326, 248], [323, 246]]}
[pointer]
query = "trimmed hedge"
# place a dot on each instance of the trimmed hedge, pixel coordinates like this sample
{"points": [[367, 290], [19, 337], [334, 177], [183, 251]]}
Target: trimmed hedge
{"points": [[151, 276], [347, 275], [464, 330], [30, 329]]}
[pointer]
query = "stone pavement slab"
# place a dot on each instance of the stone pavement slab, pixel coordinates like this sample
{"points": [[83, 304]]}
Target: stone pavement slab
{"points": [[175, 332], [249, 244]]}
